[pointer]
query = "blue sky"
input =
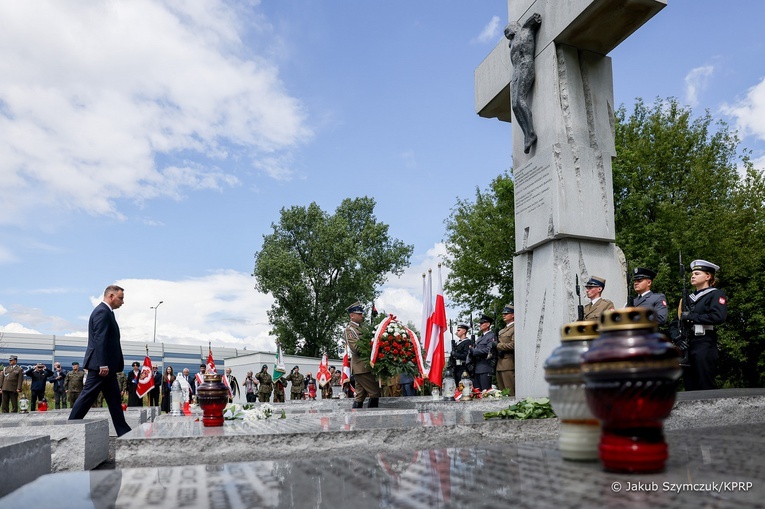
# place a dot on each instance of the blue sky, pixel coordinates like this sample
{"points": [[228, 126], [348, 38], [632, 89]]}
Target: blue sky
{"points": [[153, 143]]}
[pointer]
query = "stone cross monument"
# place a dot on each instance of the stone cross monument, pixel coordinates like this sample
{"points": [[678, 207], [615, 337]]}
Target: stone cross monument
{"points": [[564, 206]]}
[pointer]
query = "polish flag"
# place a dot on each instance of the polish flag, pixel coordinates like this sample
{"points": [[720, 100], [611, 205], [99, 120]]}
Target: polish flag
{"points": [[145, 378], [345, 376], [210, 363], [434, 343]]}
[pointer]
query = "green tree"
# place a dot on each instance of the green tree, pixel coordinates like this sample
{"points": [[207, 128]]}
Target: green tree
{"points": [[480, 240], [677, 187], [316, 264]]}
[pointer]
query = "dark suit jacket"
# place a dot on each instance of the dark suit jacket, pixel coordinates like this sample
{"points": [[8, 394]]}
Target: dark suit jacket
{"points": [[104, 347]]}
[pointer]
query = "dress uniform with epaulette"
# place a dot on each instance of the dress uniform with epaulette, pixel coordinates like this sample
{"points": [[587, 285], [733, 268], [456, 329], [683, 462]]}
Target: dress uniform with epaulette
{"points": [[506, 351], [11, 379], [365, 381], [650, 299], [481, 353], [599, 305], [459, 355], [707, 309]]}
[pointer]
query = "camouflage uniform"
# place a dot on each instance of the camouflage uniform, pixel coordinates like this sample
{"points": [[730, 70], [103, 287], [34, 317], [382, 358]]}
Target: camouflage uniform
{"points": [[279, 390], [298, 384], [265, 386], [73, 385]]}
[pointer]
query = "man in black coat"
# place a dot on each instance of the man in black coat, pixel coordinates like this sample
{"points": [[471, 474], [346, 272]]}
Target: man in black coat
{"points": [[39, 375], [154, 392], [103, 359], [133, 377], [57, 379], [481, 354]]}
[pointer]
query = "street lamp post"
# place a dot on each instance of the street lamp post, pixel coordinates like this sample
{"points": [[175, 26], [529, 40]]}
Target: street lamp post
{"points": [[155, 319]]}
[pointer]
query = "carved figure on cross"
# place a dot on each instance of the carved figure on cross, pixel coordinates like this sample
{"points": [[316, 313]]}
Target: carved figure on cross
{"points": [[522, 46]]}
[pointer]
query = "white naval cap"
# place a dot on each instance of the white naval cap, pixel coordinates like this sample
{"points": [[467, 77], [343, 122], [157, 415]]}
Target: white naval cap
{"points": [[705, 266]]}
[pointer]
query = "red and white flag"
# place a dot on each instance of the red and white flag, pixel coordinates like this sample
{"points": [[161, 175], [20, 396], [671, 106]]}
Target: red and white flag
{"points": [[210, 363], [323, 375], [434, 343], [145, 379], [345, 376]]}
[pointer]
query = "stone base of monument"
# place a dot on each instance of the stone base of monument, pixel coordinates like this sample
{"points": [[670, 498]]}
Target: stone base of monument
{"points": [[718, 467], [22, 460], [74, 445], [135, 416]]}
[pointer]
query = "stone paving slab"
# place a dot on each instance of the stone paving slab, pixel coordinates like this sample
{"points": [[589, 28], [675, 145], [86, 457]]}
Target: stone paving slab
{"points": [[22, 460], [75, 445], [168, 442], [703, 466]]}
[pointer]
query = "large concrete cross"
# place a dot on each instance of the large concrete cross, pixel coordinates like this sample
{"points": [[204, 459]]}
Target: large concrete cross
{"points": [[564, 207]]}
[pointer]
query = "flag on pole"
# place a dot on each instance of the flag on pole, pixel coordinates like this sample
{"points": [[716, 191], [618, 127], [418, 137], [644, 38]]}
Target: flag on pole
{"points": [[323, 375], [427, 312], [210, 363], [279, 368], [346, 374], [435, 343], [145, 378]]}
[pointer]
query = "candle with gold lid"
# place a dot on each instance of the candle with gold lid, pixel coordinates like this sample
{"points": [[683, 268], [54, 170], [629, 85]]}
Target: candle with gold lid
{"points": [[579, 429], [631, 374]]}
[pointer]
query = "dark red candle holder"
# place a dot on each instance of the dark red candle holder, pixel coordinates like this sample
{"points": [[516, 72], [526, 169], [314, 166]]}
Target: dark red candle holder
{"points": [[631, 374], [212, 397]]}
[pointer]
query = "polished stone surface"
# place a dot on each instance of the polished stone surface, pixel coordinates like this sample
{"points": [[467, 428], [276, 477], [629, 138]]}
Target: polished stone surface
{"points": [[75, 445], [168, 440], [22, 460], [703, 464]]}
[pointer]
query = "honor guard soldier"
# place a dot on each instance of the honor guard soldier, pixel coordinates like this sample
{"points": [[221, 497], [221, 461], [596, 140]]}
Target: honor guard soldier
{"points": [[642, 281], [598, 305], [73, 383], [506, 351], [298, 383], [707, 308], [460, 350], [11, 378], [480, 354], [365, 382], [265, 384]]}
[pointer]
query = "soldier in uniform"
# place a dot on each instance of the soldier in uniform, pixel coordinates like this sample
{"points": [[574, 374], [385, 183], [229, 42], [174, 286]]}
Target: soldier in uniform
{"points": [[506, 351], [279, 390], [11, 379], [73, 383], [598, 305], [365, 382], [480, 354], [298, 383], [707, 308], [265, 384], [460, 350], [334, 380], [642, 280]]}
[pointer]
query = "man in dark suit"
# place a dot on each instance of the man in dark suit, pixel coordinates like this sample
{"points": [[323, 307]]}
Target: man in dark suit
{"points": [[103, 359], [154, 392]]}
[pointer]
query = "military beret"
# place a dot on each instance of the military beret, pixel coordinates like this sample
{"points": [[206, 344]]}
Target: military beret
{"points": [[639, 273], [356, 307], [509, 308], [486, 319], [596, 281], [75, 363], [264, 366], [704, 265]]}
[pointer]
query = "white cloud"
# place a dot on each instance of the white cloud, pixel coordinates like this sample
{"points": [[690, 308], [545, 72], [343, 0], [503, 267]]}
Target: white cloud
{"points": [[696, 82], [749, 113], [17, 328], [6, 256], [222, 307], [490, 32], [93, 93]]}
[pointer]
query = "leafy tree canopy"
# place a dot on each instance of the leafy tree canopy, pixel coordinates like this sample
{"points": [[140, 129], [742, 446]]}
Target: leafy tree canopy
{"points": [[315, 264], [480, 240]]}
